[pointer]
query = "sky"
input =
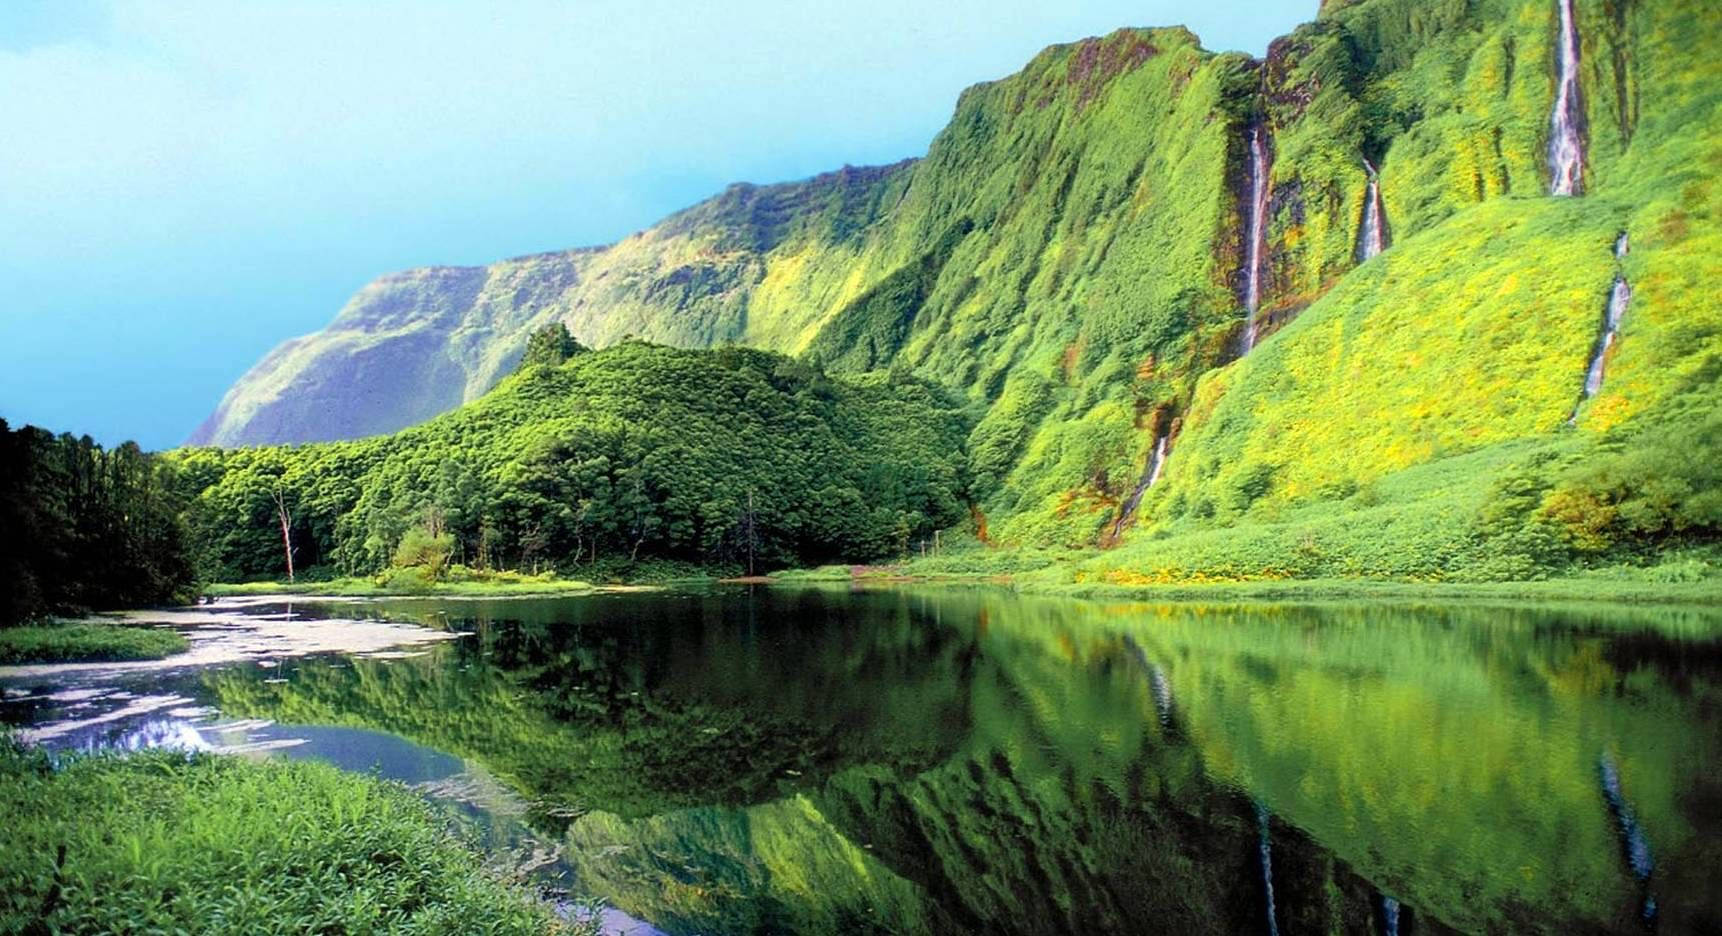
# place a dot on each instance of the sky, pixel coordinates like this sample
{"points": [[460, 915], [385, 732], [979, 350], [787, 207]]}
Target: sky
{"points": [[183, 185]]}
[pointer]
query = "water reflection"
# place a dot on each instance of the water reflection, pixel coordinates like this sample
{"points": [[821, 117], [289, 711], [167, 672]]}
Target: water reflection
{"points": [[764, 760]]}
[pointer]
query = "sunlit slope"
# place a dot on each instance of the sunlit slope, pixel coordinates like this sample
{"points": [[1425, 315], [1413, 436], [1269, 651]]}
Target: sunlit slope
{"points": [[1464, 349]]}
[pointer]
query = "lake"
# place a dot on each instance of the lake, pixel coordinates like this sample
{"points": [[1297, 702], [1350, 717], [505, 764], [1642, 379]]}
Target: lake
{"points": [[747, 759]]}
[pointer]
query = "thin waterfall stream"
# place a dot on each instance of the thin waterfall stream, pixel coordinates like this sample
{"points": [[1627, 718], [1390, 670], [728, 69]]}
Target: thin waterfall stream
{"points": [[1619, 297], [1156, 464], [1258, 210], [1372, 233], [1566, 148]]}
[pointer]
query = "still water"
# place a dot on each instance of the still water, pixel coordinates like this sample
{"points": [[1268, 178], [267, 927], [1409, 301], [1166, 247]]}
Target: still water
{"points": [[750, 759]]}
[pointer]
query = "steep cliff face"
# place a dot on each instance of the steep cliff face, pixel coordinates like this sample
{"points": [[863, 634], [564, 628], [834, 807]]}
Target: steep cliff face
{"points": [[1090, 247], [751, 265]]}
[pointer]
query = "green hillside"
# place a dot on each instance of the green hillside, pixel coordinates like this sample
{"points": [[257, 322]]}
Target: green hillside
{"points": [[724, 458], [1070, 261]]}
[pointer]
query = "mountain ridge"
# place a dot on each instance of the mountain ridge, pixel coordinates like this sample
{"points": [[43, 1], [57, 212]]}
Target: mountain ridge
{"points": [[1093, 249]]}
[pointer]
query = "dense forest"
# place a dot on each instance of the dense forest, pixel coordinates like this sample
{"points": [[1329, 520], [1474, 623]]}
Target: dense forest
{"points": [[732, 459], [86, 527]]}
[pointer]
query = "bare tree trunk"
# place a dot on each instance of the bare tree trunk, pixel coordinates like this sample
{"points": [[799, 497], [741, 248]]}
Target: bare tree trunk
{"points": [[286, 531]]}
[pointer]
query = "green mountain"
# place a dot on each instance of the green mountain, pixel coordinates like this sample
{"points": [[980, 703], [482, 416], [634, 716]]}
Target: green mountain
{"points": [[733, 457], [1327, 296]]}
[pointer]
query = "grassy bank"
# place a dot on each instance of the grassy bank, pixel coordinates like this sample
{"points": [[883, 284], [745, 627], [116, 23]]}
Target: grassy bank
{"points": [[86, 641], [163, 842], [1064, 573], [501, 585]]}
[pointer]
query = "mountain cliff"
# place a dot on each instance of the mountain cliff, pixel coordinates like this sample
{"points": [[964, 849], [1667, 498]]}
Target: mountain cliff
{"points": [[1181, 289]]}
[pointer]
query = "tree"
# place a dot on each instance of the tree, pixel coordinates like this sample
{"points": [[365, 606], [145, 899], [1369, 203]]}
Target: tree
{"points": [[286, 521], [550, 346]]}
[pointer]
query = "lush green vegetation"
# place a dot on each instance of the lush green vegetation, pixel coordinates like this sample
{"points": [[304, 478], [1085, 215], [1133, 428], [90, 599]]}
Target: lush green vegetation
{"points": [[85, 527], [731, 459], [165, 842], [1066, 260], [458, 581], [82, 641]]}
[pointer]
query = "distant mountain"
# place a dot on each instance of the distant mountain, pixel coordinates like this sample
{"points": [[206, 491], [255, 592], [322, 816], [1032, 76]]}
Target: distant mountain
{"points": [[1153, 269], [411, 345]]}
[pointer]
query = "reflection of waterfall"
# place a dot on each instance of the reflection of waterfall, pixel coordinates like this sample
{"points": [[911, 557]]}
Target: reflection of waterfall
{"points": [[1566, 151], [1258, 209], [1157, 682], [1127, 510], [1162, 693], [1265, 852], [1371, 237], [1633, 843], [1389, 916]]}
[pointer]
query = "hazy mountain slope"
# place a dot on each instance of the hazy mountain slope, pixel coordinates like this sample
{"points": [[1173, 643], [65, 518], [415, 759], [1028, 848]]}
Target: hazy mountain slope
{"points": [[753, 264]]}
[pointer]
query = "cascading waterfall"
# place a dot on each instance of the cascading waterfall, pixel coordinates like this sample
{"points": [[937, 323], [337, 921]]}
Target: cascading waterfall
{"points": [[1632, 840], [1156, 462], [1619, 297], [1371, 237], [1265, 853], [1566, 150], [1257, 231]]}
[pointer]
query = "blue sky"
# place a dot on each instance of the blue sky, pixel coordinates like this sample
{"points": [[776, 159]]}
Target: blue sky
{"points": [[185, 184]]}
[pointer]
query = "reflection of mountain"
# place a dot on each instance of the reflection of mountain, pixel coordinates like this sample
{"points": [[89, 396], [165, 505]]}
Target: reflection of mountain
{"points": [[831, 762]]}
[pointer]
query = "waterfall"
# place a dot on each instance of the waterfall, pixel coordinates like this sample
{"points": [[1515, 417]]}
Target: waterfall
{"points": [[1370, 237], [1566, 150], [1632, 840], [1265, 853], [1258, 232], [1618, 298], [1156, 462]]}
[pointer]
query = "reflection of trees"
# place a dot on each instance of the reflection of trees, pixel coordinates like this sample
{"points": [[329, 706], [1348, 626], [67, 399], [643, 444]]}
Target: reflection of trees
{"points": [[1076, 766], [672, 705]]}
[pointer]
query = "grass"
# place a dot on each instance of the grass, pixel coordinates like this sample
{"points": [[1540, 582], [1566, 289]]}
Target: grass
{"points": [[1692, 577], [86, 641], [502, 585], [165, 842]]}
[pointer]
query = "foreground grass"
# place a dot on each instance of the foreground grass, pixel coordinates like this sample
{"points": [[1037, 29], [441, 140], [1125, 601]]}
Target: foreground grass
{"points": [[86, 641], [163, 842]]}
